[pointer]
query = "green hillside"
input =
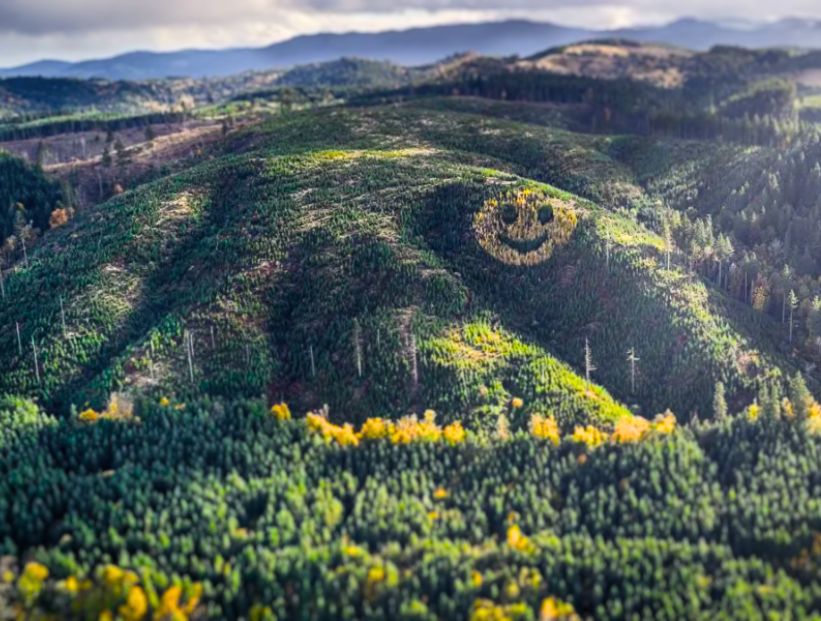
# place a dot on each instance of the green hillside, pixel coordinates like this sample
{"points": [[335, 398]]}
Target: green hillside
{"points": [[311, 277], [423, 356], [315, 256]]}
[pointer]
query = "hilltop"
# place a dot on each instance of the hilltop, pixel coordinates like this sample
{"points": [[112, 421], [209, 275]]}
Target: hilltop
{"points": [[133, 278]]}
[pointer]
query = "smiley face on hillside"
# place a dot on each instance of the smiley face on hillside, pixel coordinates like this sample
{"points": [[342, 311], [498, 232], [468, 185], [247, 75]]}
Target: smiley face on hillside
{"points": [[524, 226]]}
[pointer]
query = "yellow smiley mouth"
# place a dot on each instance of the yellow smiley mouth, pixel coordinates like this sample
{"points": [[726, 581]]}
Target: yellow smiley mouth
{"points": [[523, 246]]}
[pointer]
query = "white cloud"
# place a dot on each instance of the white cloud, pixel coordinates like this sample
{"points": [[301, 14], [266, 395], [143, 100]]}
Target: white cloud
{"points": [[76, 29]]}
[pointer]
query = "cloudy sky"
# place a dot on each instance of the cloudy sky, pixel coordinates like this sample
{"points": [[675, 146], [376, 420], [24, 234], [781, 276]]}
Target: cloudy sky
{"points": [[79, 29]]}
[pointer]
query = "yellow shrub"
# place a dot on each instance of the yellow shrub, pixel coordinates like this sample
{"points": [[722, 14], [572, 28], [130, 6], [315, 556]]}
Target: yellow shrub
{"points": [[409, 429], [814, 418], [352, 551], [136, 605], [630, 429], [590, 436], [512, 590], [376, 429], [665, 423], [31, 581], [545, 427], [343, 435], [89, 416], [281, 411], [553, 609], [36, 571], [170, 607], [404, 431], [518, 541], [486, 610], [74, 585], [376, 576], [787, 408], [454, 433]]}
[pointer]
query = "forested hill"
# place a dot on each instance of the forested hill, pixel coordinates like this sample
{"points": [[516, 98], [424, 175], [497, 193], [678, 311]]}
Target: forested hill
{"points": [[488, 339]]}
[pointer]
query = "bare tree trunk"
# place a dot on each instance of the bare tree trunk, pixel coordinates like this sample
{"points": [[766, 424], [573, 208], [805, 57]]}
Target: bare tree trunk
{"points": [[588, 362], [632, 359], [62, 316], [357, 344], [784, 308], [36, 364], [151, 361], [189, 350], [414, 363], [791, 323]]}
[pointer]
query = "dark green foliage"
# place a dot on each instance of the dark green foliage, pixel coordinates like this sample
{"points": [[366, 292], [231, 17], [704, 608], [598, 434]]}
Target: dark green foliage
{"points": [[28, 196], [351, 73], [54, 125], [262, 512], [800, 397]]}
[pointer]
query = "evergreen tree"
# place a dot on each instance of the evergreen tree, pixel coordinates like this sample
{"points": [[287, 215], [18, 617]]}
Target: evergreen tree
{"points": [[770, 399], [800, 397], [723, 251], [792, 303]]}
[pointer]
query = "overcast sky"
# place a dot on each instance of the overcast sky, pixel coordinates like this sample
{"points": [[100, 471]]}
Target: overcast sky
{"points": [[79, 29]]}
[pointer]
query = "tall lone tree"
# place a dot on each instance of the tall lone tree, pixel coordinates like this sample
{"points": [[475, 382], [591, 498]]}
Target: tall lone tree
{"points": [[668, 240], [792, 302], [723, 252], [719, 402], [800, 397], [633, 359], [588, 361], [357, 346], [786, 276]]}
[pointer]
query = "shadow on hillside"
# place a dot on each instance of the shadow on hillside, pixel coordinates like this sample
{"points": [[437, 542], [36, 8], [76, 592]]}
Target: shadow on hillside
{"points": [[187, 275]]}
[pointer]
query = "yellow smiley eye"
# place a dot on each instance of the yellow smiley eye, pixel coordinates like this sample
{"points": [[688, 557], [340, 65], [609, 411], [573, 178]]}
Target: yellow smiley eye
{"points": [[546, 214], [509, 214]]}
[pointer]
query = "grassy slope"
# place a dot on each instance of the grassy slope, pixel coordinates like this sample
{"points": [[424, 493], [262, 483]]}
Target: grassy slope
{"points": [[329, 233], [281, 264]]}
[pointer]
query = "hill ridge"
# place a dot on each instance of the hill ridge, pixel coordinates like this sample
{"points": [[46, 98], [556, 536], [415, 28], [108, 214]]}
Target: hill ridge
{"points": [[417, 46]]}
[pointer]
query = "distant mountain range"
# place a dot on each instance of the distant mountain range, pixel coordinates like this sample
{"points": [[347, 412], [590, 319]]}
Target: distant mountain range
{"points": [[419, 46]]}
